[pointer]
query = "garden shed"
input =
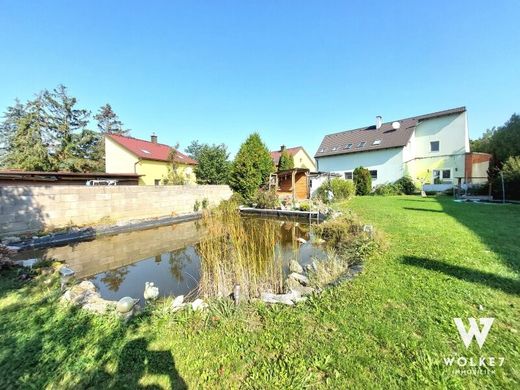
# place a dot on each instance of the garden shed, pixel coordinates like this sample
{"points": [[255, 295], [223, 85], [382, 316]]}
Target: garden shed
{"points": [[291, 182]]}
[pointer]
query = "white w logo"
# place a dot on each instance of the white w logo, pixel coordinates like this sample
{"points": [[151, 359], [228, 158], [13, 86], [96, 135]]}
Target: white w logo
{"points": [[474, 330]]}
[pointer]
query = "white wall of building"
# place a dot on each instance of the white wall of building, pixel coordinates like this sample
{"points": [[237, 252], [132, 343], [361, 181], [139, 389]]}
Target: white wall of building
{"points": [[387, 162], [451, 131]]}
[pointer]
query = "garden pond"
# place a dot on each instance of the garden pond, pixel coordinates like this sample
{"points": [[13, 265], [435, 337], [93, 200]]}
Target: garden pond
{"points": [[170, 257]]}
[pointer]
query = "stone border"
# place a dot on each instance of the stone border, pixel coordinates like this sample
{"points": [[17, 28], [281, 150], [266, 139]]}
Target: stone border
{"points": [[90, 233]]}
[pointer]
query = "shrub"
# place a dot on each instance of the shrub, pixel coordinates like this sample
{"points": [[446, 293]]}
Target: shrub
{"points": [[405, 185], [386, 189], [362, 181], [251, 167], [341, 189], [237, 198], [305, 206], [205, 203], [286, 161], [511, 172], [196, 206], [267, 199]]}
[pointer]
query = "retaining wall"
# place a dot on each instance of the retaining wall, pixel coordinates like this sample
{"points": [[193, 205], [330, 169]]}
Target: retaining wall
{"points": [[31, 209]]}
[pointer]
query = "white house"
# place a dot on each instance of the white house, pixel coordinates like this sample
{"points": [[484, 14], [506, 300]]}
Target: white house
{"points": [[433, 149]]}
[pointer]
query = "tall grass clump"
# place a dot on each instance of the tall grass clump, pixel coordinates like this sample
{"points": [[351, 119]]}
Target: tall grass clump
{"points": [[347, 237], [236, 250]]}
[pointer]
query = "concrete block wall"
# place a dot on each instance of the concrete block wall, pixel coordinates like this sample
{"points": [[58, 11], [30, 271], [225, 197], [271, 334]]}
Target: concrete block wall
{"points": [[32, 209]]}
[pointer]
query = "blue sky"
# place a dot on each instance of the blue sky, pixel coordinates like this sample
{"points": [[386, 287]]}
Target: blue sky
{"points": [[294, 71]]}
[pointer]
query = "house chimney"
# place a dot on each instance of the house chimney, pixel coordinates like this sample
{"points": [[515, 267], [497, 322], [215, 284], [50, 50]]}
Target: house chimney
{"points": [[282, 148], [379, 121], [154, 138]]}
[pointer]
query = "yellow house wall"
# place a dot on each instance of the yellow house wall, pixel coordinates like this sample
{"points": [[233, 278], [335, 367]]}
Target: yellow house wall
{"points": [[118, 159], [158, 170], [422, 169], [452, 133], [302, 160]]}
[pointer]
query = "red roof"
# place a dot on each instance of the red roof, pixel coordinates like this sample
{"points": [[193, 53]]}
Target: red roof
{"points": [[147, 150], [275, 155]]}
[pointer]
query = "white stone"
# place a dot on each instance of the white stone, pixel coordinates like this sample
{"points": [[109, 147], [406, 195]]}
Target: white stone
{"points": [[294, 266], [198, 304], [125, 304], [300, 278], [301, 240], [29, 263], [66, 271], [178, 301]]}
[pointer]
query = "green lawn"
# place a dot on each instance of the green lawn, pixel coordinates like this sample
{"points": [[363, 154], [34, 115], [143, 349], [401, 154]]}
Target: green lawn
{"points": [[391, 327]]}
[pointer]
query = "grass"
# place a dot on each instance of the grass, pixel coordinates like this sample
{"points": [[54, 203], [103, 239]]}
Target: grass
{"points": [[390, 327]]}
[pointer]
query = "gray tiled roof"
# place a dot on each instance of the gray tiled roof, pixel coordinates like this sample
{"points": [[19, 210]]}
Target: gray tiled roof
{"points": [[383, 138]]}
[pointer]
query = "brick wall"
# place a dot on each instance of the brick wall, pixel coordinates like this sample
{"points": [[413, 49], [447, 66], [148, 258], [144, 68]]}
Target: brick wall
{"points": [[31, 209]]}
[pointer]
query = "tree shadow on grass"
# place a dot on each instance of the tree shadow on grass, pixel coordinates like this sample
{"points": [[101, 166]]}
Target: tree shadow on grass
{"points": [[137, 360], [507, 285], [47, 344], [496, 225], [420, 209]]}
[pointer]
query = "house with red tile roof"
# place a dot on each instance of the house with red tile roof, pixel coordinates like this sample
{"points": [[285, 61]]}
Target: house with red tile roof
{"points": [[301, 158], [150, 160]]}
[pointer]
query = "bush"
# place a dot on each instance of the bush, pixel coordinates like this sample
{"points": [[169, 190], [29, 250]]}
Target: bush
{"points": [[196, 206], [511, 172], [387, 189], [362, 181], [251, 167], [205, 203], [267, 199], [405, 185], [237, 198], [305, 206], [341, 189]]}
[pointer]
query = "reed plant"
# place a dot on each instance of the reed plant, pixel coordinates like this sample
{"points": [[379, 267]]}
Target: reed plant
{"points": [[236, 250]]}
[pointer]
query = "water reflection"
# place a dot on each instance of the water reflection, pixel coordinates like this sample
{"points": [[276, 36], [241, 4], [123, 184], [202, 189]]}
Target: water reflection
{"points": [[168, 256]]}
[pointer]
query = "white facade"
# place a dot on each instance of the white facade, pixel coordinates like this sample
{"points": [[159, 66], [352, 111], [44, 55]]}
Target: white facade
{"points": [[434, 154], [388, 163]]}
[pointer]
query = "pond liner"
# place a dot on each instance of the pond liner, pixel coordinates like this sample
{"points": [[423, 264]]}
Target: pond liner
{"points": [[307, 215], [90, 233]]}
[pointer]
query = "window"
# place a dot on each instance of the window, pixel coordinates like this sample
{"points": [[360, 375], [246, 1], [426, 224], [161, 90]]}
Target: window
{"points": [[348, 146], [376, 142], [441, 176], [434, 146], [373, 174], [361, 144], [322, 150], [145, 151], [157, 182], [334, 149], [348, 175]]}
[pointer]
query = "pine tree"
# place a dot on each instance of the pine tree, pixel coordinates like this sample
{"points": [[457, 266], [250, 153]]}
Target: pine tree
{"points": [[251, 167], [27, 148], [8, 128], [67, 126], [108, 121], [286, 161]]}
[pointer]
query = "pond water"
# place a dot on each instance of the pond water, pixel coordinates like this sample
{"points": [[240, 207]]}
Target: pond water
{"points": [[119, 265]]}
